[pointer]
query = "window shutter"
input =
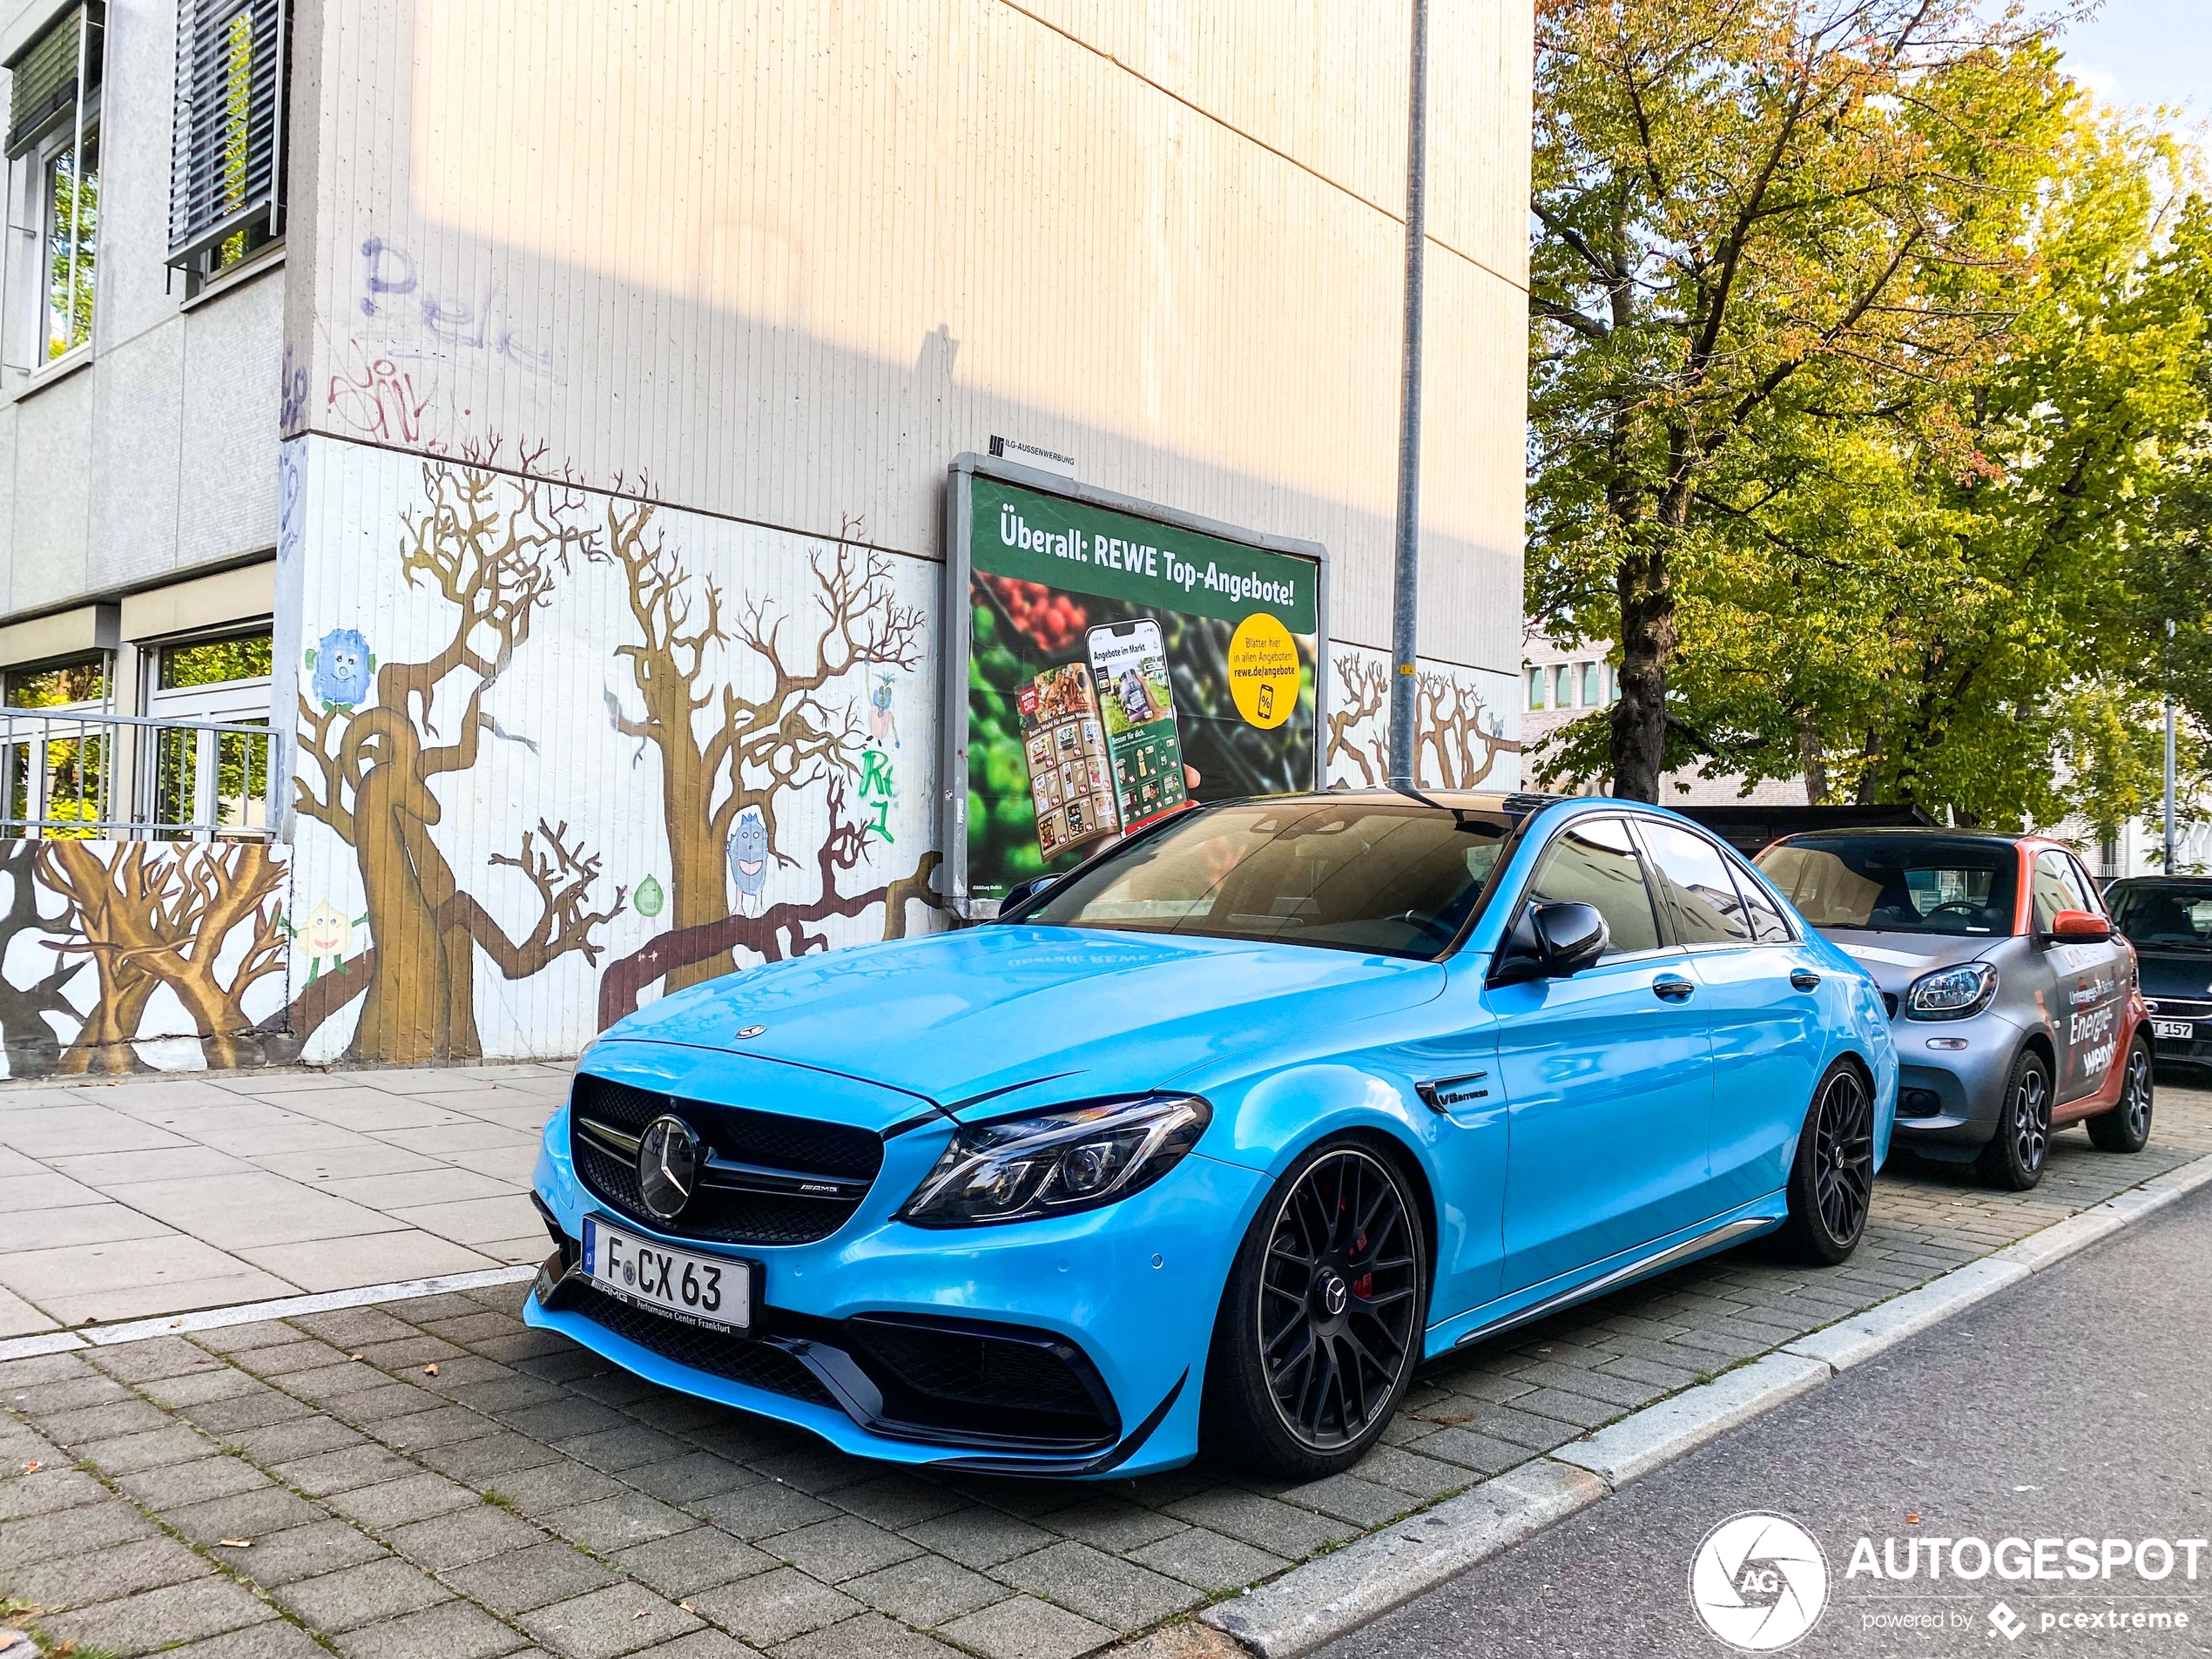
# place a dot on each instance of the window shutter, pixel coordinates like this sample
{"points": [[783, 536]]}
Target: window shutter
{"points": [[44, 76], [226, 164]]}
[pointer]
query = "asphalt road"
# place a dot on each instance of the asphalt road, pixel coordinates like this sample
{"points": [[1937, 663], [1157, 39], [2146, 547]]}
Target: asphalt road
{"points": [[2077, 1405]]}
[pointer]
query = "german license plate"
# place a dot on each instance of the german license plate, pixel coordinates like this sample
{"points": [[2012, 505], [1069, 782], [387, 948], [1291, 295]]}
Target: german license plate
{"points": [[711, 1292], [2174, 1030]]}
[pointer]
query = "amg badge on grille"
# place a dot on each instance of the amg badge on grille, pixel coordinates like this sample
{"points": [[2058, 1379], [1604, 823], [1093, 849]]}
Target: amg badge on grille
{"points": [[668, 1166]]}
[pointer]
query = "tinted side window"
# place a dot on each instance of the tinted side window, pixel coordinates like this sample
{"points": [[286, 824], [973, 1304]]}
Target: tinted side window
{"points": [[2057, 888], [1767, 925], [1593, 862], [1694, 878]]}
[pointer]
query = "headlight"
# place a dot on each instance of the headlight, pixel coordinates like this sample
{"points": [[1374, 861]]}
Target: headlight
{"points": [[1952, 992], [1050, 1163]]}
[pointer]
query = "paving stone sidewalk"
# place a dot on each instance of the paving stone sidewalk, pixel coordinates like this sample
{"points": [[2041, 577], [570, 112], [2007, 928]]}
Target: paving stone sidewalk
{"points": [[430, 1478], [133, 1198]]}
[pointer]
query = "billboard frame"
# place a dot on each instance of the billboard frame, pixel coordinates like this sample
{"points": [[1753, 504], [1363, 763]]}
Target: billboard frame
{"points": [[952, 760]]}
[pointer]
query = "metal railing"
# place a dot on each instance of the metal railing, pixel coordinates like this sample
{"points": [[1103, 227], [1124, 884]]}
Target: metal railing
{"points": [[121, 777]]}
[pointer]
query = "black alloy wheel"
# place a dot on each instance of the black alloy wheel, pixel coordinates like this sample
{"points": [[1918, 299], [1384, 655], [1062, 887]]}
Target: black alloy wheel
{"points": [[2126, 1127], [1843, 1153], [1831, 1182], [2016, 1154], [1321, 1325]]}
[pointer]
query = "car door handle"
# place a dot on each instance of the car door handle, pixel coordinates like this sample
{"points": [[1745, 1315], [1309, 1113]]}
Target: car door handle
{"points": [[1803, 978], [1672, 988]]}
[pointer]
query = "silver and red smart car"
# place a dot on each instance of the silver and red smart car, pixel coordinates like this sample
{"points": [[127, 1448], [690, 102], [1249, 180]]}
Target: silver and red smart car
{"points": [[2016, 1008]]}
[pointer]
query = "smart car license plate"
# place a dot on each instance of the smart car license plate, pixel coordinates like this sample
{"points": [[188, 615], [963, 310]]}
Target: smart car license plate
{"points": [[2174, 1030], [711, 1292]]}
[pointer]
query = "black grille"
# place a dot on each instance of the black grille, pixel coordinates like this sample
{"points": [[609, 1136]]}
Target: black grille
{"points": [[1020, 1383], [739, 1358], [799, 1146], [1889, 1001]]}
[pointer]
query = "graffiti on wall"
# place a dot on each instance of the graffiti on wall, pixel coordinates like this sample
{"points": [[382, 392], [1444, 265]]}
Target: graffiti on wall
{"points": [[109, 951], [1461, 739], [709, 718]]}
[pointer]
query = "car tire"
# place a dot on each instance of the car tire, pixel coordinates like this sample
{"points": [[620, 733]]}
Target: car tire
{"points": [[2019, 1150], [1832, 1179], [2126, 1127], [1321, 1322]]}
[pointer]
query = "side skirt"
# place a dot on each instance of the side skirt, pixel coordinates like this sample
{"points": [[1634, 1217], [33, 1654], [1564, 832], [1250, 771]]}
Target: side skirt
{"points": [[1719, 1237]]}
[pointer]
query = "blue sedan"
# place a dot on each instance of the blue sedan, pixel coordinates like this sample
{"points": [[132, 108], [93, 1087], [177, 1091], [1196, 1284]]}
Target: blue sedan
{"points": [[1214, 1140]]}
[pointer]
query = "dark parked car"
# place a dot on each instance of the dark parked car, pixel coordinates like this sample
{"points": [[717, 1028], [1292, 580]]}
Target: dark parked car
{"points": [[2169, 920]]}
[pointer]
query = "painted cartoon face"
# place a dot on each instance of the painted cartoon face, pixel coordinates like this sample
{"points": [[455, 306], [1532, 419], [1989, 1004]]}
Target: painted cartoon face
{"points": [[749, 852], [882, 696], [341, 668], [328, 931]]}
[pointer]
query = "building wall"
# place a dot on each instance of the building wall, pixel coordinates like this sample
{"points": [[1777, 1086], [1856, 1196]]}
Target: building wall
{"points": [[154, 454], [781, 263]]}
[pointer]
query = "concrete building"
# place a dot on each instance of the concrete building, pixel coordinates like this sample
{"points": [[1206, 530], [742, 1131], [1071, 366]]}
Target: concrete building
{"points": [[436, 385], [1560, 684]]}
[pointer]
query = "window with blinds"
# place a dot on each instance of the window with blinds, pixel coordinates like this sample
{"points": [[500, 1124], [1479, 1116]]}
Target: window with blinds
{"points": [[54, 132], [226, 180]]}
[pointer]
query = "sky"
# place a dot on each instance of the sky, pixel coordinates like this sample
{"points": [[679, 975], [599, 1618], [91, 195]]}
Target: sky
{"points": [[2145, 52]]}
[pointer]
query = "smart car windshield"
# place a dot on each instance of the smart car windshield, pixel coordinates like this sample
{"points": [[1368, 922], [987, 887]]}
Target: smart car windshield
{"points": [[1898, 884], [1398, 879], [2161, 916]]}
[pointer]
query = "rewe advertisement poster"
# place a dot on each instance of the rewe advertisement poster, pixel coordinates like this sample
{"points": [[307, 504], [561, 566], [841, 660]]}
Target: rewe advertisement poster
{"points": [[1119, 667]]}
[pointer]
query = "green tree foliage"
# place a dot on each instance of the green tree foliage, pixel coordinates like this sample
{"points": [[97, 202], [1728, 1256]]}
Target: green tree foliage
{"points": [[1862, 348]]}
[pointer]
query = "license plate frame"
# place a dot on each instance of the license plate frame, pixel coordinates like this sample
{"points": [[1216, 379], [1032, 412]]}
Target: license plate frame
{"points": [[732, 1283], [2174, 1031]]}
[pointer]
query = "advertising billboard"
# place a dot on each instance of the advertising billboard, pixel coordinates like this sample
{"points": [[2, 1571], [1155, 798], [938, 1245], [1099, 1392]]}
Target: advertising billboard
{"points": [[1112, 661]]}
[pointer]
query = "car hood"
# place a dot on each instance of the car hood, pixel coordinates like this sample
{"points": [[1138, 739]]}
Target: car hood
{"points": [[2183, 975], [1896, 959], [1028, 1013]]}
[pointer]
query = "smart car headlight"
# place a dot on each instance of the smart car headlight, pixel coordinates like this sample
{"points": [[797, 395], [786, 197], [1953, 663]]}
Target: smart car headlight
{"points": [[1952, 992], [1054, 1163]]}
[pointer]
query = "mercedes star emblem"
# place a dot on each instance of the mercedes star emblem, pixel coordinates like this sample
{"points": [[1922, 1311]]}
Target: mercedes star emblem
{"points": [[751, 1032], [668, 1166]]}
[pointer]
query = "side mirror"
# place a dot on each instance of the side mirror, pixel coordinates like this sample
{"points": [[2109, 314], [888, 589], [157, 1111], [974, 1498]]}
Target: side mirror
{"points": [[2080, 927], [1551, 942], [1021, 892]]}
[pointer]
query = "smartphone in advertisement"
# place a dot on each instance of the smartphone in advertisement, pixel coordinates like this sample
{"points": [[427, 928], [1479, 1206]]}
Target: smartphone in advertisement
{"points": [[1063, 740], [1130, 666]]}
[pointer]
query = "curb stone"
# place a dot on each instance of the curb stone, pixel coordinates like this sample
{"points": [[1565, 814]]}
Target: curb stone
{"points": [[1312, 1605], [1321, 1601]]}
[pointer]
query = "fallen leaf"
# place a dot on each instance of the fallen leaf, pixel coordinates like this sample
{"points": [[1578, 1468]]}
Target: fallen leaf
{"points": [[353, 1356], [33, 1467], [429, 1371], [1913, 1521], [235, 1543]]}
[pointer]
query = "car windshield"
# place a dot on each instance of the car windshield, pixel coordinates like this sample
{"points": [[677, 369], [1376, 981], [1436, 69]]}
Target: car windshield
{"points": [[2160, 915], [1395, 878], [1898, 884]]}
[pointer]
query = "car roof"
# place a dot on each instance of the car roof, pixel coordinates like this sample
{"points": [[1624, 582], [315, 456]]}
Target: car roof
{"points": [[2188, 882], [1923, 832], [1515, 802]]}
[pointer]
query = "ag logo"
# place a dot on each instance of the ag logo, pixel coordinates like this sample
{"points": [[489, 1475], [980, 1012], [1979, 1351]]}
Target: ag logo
{"points": [[1759, 1582]]}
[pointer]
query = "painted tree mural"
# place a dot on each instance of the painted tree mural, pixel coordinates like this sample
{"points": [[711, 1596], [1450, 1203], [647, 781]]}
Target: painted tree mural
{"points": [[743, 747], [1457, 737], [30, 1000], [492, 545], [151, 916]]}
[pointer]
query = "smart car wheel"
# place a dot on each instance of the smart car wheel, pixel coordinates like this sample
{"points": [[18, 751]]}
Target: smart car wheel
{"points": [[2126, 1127], [1831, 1185], [1321, 1327], [2015, 1154]]}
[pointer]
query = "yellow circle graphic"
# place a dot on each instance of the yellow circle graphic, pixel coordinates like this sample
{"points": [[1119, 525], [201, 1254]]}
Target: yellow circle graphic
{"points": [[1263, 670]]}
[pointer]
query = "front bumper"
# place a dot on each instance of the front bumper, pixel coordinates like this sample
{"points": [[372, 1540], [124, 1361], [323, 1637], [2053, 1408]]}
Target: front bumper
{"points": [[1953, 1097], [1125, 1295]]}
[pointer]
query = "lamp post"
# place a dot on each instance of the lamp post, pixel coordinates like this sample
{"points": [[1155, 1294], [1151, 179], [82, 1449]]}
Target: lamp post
{"points": [[2169, 745], [1405, 600]]}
